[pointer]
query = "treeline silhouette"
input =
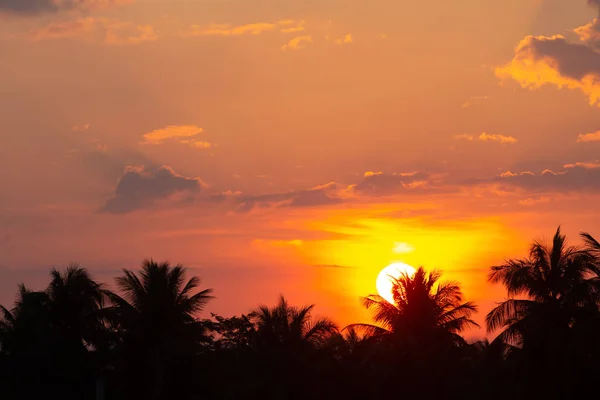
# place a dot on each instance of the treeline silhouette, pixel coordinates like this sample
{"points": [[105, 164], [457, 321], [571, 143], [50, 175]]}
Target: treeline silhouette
{"points": [[78, 340]]}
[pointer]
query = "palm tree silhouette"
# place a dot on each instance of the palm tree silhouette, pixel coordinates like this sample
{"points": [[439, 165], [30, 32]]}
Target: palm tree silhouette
{"points": [[290, 326], [548, 292], [552, 304], [75, 304], [424, 310], [156, 315]]}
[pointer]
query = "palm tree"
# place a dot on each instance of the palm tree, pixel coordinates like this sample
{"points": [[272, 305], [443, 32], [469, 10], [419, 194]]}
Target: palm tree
{"points": [[289, 326], [548, 292], [75, 304], [424, 310], [25, 329], [156, 314], [550, 317]]}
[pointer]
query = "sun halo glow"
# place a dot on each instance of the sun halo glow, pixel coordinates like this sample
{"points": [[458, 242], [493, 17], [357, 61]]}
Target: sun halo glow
{"points": [[385, 279]]}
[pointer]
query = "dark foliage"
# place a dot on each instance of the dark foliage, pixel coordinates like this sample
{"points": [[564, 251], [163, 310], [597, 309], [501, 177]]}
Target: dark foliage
{"points": [[78, 340]]}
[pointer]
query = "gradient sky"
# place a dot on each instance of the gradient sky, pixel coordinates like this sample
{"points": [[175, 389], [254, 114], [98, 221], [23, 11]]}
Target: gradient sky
{"points": [[296, 147]]}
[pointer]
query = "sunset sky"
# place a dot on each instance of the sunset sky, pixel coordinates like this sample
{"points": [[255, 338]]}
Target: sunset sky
{"points": [[295, 147]]}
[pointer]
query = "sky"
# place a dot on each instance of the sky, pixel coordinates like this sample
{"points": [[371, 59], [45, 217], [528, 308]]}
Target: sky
{"points": [[295, 147]]}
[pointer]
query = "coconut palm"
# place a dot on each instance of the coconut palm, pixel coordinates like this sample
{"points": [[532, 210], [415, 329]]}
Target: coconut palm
{"points": [[75, 304], [424, 310], [291, 326], [548, 292], [156, 315], [25, 329]]}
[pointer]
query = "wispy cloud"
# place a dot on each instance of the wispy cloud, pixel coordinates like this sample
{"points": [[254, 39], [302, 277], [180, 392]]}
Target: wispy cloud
{"points": [[403, 248], [532, 201], [346, 40], [248, 29], [185, 134], [291, 26], [487, 137], [255, 28], [109, 31], [297, 43], [588, 137], [587, 165]]}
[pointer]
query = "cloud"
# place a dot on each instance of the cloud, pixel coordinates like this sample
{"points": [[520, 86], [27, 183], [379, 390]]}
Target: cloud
{"points": [[109, 31], [485, 137], [346, 40], [533, 201], [541, 60], [36, 7], [587, 165], [127, 33], [588, 137], [379, 184], [297, 43], [589, 33], [403, 248], [186, 134], [583, 177], [498, 138], [66, 29], [322, 195], [141, 187], [371, 173], [287, 28], [248, 29]]}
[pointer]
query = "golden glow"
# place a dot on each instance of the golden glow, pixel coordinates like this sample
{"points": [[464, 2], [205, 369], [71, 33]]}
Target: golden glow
{"points": [[385, 279]]}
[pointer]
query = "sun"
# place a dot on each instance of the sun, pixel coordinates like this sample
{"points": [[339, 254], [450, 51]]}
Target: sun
{"points": [[386, 278]]}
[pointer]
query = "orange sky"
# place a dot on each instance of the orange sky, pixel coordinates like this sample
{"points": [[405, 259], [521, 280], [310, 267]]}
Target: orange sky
{"points": [[294, 147]]}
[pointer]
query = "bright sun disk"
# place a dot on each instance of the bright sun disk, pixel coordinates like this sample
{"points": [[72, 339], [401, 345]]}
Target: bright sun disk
{"points": [[385, 279]]}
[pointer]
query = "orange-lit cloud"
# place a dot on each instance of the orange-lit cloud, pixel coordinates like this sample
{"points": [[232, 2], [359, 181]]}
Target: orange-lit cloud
{"points": [[589, 33], [588, 165], [248, 29], [541, 60], [346, 40], [127, 33], [485, 137], [58, 30], [298, 26], [186, 134], [297, 43], [111, 32], [588, 137], [533, 201], [576, 177]]}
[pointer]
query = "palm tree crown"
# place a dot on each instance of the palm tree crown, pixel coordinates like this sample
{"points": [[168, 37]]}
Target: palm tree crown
{"points": [[158, 302], [550, 288], [424, 308], [291, 326]]}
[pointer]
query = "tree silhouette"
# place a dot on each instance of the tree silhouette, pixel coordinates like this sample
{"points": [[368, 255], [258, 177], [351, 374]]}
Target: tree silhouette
{"points": [[424, 309], [53, 331], [156, 316], [290, 326], [550, 293]]}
